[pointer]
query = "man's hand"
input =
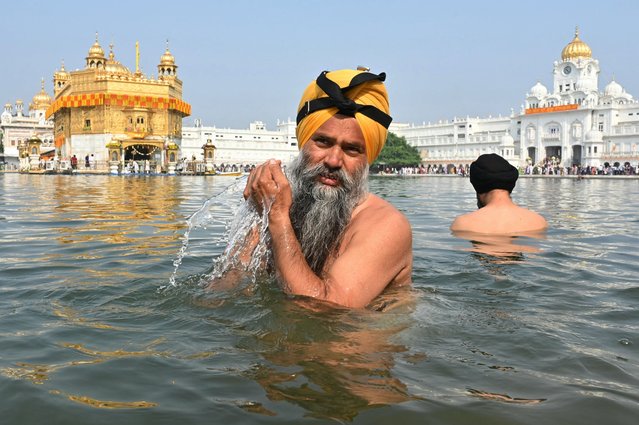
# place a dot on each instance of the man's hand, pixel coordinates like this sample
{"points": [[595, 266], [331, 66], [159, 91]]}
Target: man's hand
{"points": [[269, 188]]}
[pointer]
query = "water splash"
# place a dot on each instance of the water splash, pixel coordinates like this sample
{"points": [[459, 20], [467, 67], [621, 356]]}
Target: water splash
{"points": [[204, 217], [246, 225], [248, 243]]}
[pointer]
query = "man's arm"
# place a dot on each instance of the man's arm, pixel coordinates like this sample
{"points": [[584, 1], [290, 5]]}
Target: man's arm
{"points": [[378, 249]]}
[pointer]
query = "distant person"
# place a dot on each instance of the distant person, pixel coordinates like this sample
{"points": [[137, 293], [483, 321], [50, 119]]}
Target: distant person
{"points": [[87, 164], [494, 179], [92, 162], [74, 162], [331, 239]]}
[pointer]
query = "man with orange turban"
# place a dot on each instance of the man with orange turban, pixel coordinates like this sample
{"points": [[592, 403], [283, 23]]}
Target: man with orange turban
{"points": [[331, 239]]}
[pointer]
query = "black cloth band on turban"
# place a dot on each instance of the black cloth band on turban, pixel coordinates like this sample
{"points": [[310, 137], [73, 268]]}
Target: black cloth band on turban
{"points": [[491, 171], [336, 98]]}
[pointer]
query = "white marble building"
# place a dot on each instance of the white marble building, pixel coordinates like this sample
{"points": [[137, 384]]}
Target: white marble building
{"points": [[241, 146], [574, 122], [461, 140], [16, 126]]}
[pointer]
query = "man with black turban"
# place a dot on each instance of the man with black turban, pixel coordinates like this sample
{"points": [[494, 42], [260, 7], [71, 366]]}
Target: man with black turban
{"points": [[331, 239], [494, 179]]}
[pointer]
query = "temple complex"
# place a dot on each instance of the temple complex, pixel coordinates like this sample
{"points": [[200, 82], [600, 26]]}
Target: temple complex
{"points": [[115, 116], [18, 126], [572, 122]]}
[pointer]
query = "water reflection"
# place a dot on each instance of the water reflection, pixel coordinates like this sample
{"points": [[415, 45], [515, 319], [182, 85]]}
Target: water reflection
{"points": [[115, 213], [334, 363], [502, 248], [130, 221]]}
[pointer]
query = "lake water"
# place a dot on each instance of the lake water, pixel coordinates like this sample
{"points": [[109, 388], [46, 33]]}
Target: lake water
{"points": [[91, 331]]}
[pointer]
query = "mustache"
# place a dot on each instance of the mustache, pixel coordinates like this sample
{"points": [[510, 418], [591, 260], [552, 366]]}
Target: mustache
{"points": [[311, 172]]}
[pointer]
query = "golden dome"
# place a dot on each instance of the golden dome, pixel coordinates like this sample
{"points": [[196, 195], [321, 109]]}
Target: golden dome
{"points": [[41, 100], [96, 50], [576, 49], [112, 66], [167, 58], [115, 67], [61, 73]]}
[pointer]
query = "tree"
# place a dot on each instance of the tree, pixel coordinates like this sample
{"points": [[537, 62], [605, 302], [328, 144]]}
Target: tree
{"points": [[397, 153]]}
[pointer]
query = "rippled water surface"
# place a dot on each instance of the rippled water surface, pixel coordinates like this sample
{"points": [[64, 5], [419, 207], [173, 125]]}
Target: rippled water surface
{"points": [[528, 331]]}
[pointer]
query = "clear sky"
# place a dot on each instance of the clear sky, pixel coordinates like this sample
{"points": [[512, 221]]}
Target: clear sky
{"points": [[248, 60]]}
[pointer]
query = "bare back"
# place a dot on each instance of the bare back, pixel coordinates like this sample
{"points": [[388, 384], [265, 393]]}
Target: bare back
{"points": [[500, 216]]}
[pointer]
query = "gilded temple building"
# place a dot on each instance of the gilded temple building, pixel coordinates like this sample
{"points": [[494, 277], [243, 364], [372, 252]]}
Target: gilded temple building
{"points": [[118, 116]]}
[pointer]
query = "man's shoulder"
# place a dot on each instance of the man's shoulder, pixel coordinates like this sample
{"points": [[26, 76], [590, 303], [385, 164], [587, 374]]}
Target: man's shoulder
{"points": [[375, 211], [465, 222], [534, 219], [376, 205]]}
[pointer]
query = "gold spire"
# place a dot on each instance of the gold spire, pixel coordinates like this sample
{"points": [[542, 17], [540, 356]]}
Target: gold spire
{"points": [[576, 49], [137, 57]]}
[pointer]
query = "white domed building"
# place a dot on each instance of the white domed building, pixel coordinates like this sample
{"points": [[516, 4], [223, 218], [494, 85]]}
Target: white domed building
{"points": [[571, 120], [17, 126], [577, 123]]}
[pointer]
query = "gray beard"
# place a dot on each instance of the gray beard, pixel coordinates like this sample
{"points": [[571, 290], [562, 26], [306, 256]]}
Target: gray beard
{"points": [[319, 213]]}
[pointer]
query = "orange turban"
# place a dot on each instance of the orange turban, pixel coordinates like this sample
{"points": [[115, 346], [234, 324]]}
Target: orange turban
{"points": [[359, 94]]}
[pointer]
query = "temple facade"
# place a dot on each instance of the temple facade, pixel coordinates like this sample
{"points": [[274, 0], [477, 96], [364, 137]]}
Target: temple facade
{"points": [[573, 122], [250, 146], [17, 126], [115, 116]]}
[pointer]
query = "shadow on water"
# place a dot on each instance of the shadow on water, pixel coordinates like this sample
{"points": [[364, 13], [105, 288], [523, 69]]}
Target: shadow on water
{"points": [[333, 363]]}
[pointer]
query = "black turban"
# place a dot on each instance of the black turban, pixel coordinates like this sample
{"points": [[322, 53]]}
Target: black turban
{"points": [[491, 171]]}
